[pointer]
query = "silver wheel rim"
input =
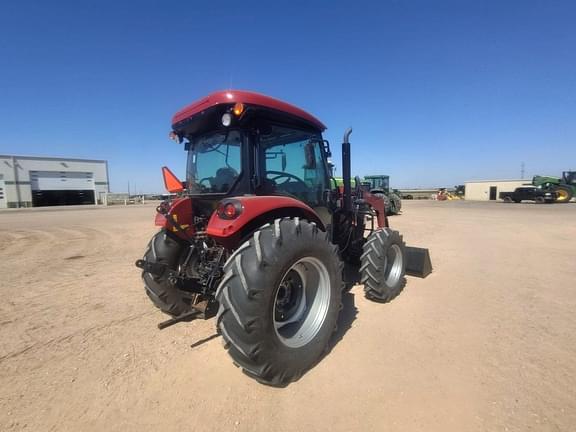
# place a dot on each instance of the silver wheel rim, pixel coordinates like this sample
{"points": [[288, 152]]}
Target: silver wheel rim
{"points": [[393, 263], [301, 302]]}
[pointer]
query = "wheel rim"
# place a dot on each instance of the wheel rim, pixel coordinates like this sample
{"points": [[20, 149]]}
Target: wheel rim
{"points": [[562, 195], [393, 263], [301, 302]]}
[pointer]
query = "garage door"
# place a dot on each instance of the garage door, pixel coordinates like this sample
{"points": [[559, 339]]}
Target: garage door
{"points": [[50, 188], [65, 180]]}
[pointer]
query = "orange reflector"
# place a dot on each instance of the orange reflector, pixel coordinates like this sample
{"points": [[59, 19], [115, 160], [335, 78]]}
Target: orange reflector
{"points": [[238, 108], [171, 182]]}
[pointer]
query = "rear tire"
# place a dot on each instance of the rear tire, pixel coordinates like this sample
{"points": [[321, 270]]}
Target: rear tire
{"points": [[164, 249], [507, 199], [395, 204], [383, 266], [388, 205], [279, 300], [563, 194]]}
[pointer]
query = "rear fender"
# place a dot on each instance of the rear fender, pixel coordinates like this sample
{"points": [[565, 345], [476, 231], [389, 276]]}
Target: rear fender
{"points": [[257, 211], [180, 210]]}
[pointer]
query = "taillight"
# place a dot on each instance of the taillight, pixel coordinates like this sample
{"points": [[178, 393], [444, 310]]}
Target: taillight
{"points": [[229, 209]]}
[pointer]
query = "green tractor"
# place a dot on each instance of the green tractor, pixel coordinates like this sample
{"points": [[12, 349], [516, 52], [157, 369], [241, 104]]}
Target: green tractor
{"points": [[564, 187], [379, 185]]}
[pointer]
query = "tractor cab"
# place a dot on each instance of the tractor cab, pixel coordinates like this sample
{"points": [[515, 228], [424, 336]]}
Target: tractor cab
{"points": [[243, 143], [378, 182], [569, 177]]}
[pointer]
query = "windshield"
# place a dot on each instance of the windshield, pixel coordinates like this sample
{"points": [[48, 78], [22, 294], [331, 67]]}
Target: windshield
{"points": [[570, 177], [214, 162], [379, 183]]}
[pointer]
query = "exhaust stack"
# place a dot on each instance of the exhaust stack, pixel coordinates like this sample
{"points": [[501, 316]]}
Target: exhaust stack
{"points": [[346, 170]]}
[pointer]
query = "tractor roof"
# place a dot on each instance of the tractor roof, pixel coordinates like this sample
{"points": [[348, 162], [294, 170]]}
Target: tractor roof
{"points": [[246, 98]]}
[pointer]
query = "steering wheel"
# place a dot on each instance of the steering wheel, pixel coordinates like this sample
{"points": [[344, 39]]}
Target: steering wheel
{"points": [[205, 179], [279, 174], [203, 187]]}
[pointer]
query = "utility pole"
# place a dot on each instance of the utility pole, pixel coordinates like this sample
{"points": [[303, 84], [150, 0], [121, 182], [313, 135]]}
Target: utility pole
{"points": [[522, 170], [128, 188]]}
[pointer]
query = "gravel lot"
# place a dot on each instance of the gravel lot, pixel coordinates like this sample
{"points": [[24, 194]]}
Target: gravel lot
{"points": [[487, 342]]}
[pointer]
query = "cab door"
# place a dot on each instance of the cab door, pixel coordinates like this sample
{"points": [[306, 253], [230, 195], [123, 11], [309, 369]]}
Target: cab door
{"points": [[293, 165]]}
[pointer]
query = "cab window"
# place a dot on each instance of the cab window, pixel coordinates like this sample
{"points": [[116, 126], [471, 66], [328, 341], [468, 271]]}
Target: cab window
{"points": [[293, 164]]}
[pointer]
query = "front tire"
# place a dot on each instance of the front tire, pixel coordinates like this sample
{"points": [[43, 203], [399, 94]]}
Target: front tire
{"points": [[279, 300], [383, 266]]}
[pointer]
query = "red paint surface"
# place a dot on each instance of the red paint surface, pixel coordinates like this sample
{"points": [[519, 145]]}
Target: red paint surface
{"points": [[160, 220], [378, 205], [252, 207], [247, 98], [181, 211]]}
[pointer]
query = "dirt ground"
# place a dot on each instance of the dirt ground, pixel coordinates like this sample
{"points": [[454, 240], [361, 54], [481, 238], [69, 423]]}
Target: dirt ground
{"points": [[485, 343]]}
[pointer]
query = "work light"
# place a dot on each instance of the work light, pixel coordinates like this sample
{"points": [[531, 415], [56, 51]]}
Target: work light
{"points": [[226, 119]]}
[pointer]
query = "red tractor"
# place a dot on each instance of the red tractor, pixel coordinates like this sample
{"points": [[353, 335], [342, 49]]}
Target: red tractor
{"points": [[259, 234]]}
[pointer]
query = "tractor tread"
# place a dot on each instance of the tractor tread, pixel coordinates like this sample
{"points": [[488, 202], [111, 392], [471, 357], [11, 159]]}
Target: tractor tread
{"points": [[373, 262], [164, 249], [244, 319]]}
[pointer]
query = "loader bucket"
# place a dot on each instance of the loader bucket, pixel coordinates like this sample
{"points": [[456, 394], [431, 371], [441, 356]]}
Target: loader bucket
{"points": [[418, 262]]}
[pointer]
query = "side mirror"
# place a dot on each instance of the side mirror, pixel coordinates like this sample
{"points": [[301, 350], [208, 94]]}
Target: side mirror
{"points": [[331, 168], [171, 182], [175, 137], [327, 148]]}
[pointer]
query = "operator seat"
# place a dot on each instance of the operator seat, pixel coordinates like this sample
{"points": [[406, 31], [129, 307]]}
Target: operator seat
{"points": [[225, 178]]}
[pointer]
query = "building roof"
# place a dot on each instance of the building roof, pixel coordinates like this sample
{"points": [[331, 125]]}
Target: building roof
{"points": [[498, 181], [53, 158]]}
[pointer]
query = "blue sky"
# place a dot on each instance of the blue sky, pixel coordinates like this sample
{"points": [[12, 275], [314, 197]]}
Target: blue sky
{"points": [[438, 92]]}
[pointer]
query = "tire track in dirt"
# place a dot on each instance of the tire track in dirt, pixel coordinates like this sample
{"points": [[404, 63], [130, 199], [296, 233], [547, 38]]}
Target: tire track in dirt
{"points": [[72, 255], [84, 332]]}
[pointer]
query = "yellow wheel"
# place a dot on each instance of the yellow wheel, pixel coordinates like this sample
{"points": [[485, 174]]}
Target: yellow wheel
{"points": [[563, 194]]}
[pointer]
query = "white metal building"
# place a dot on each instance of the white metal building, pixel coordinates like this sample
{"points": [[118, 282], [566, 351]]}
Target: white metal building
{"points": [[27, 181], [485, 190]]}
